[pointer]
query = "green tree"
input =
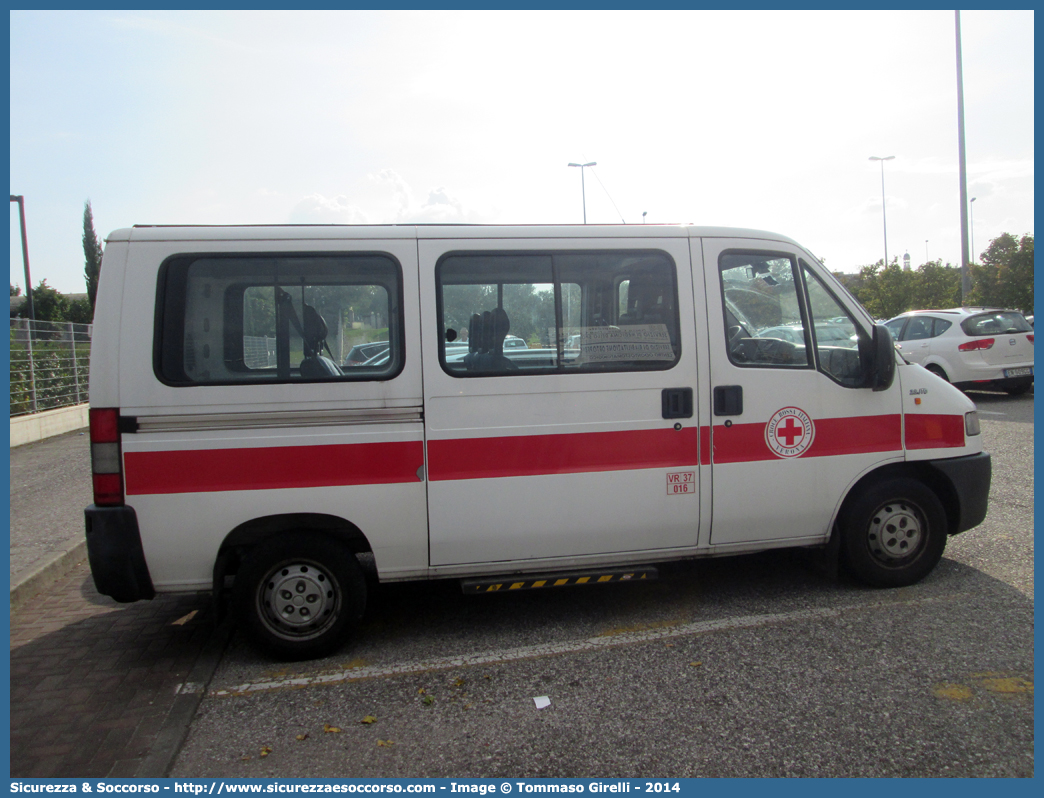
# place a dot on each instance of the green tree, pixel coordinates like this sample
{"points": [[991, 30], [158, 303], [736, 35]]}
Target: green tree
{"points": [[16, 290], [884, 292], [935, 286], [48, 304], [92, 251], [79, 311], [1005, 276]]}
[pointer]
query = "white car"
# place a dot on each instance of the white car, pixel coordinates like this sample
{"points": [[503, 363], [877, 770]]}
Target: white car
{"points": [[970, 347]]}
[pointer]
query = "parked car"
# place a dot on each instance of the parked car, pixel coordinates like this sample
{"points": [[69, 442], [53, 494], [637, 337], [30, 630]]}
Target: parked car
{"points": [[970, 347], [827, 334]]}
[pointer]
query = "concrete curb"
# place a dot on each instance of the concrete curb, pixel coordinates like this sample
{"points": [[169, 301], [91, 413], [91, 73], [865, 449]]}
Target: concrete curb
{"points": [[175, 728], [37, 426], [25, 586]]}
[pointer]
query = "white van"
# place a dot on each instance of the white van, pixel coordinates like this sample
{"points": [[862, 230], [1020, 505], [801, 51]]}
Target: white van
{"points": [[653, 414]]}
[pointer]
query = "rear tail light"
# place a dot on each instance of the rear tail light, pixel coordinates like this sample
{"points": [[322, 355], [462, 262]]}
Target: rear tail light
{"points": [[1030, 338], [106, 463], [977, 344]]}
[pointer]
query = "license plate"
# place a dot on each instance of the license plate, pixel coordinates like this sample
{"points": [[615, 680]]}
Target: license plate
{"points": [[1023, 372]]}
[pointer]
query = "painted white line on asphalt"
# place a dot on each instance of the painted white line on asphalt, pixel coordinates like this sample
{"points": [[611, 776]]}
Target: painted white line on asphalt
{"points": [[554, 649]]}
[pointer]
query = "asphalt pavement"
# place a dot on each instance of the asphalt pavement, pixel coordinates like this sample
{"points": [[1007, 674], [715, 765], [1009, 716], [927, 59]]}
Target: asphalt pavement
{"points": [[748, 666]]}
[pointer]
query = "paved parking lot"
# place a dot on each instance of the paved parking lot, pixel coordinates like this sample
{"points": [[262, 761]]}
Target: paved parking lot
{"points": [[752, 666]]}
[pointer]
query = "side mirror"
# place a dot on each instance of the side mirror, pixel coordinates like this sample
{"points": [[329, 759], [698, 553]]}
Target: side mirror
{"points": [[882, 359]]}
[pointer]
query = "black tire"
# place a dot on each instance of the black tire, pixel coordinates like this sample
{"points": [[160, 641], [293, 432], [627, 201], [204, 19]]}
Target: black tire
{"points": [[1018, 388], [893, 534], [299, 595]]}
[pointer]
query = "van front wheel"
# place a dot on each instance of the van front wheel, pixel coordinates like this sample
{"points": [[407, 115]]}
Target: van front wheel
{"points": [[299, 595], [894, 533]]}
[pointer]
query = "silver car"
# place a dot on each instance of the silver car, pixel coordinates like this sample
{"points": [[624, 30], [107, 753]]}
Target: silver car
{"points": [[970, 347]]}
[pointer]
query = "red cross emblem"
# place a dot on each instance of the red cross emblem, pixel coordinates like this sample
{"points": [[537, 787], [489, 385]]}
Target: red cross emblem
{"points": [[789, 433]]}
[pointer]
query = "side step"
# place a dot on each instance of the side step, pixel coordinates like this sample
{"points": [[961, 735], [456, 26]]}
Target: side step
{"points": [[568, 579]]}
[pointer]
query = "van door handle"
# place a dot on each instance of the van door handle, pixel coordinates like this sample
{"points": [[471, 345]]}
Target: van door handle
{"points": [[676, 402], [728, 400]]}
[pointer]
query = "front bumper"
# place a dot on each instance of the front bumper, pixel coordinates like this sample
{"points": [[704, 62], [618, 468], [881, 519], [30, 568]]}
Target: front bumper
{"points": [[115, 553], [970, 477]]}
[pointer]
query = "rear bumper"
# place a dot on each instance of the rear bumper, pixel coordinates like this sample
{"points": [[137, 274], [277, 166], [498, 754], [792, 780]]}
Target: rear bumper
{"points": [[970, 373], [970, 477], [115, 554]]}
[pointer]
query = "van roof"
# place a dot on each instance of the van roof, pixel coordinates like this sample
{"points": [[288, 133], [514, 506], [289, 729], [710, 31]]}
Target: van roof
{"points": [[434, 231]]}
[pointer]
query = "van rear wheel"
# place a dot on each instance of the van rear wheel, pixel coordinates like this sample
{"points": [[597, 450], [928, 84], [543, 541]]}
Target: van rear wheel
{"points": [[894, 533], [299, 595]]}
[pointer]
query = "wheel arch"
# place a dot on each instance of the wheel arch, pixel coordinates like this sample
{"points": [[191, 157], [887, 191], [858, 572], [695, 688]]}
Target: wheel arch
{"points": [[933, 364], [258, 530]]}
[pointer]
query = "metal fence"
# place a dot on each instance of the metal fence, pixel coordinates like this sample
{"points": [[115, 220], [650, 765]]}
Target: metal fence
{"points": [[50, 365]]}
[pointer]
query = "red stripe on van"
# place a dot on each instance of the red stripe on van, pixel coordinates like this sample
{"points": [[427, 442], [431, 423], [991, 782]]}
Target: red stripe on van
{"points": [[930, 431], [209, 470], [532, 455], [743, 443]]}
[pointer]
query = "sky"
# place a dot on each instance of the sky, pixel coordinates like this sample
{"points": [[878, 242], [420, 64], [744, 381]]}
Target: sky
{"points": [[755, 119]]}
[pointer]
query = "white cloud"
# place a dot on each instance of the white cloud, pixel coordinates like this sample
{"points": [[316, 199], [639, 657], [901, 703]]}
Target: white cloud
{"points": [[440, 206], [317, 209]]}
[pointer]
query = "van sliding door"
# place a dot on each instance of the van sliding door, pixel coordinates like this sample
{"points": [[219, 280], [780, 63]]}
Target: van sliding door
{"points": [[548, 365]]}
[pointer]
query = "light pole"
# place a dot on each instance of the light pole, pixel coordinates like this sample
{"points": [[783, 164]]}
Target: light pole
{"points": [[884, 217], [926, 250], [643, 216], [25, 254], [971, 228], [583, 190]]}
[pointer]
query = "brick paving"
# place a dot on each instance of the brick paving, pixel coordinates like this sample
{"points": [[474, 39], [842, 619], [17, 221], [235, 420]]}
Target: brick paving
{"points": [[94, 683]]}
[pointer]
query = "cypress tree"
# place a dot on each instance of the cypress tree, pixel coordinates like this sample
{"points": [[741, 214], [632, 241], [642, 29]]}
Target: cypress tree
{"points": [[92, 251]]}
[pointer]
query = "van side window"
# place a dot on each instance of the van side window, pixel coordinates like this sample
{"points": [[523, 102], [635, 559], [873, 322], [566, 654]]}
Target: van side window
{"points": [[764, 326], [836, 334], [554, 312], [231, 319]]}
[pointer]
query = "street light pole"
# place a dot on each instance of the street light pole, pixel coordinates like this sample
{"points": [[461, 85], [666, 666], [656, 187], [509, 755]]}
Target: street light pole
{"points": [[884, 217], [971, 228], [25, 254], [583, 190], [962, 167]]}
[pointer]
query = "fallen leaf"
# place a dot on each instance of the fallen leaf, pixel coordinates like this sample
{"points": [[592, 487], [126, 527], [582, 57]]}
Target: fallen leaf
{"points": [[428, 700], [385, 743], [246, 758], [421, 691], [696, 664], [670, 645], [458, 683], [368, 719], [185, 619], [302, 737], [331, 729], [265, 751]]}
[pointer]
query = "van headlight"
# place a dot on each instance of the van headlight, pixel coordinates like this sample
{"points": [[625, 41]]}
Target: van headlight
{"points": [[971, 423]]}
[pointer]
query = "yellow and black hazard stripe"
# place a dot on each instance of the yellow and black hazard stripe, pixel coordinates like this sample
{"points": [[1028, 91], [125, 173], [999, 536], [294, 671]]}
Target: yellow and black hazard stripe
{"points": [[573, 579]]}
